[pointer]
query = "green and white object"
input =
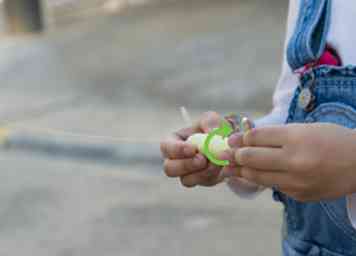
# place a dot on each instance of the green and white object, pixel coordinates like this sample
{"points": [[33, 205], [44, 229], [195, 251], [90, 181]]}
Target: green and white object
{"points": [[213, 143], [217, 144]]}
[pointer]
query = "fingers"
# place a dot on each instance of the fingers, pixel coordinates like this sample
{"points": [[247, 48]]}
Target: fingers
{"points": [[228, 155], [208, 177], [236, 140], [183, 134], [208, 121], [181, 167], [266, 179], [271, 159], [174, 149], [272, 136]]}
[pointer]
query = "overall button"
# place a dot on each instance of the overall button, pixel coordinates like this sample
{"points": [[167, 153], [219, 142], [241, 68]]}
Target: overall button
{"points": [[305, 100]]}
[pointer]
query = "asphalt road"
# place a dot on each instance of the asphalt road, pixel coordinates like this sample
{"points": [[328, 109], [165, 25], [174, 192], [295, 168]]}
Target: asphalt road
{"points": [[122, 78]]}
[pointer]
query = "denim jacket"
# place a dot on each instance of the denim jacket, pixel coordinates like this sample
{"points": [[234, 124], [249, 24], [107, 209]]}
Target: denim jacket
{"points": [[324, 94]]}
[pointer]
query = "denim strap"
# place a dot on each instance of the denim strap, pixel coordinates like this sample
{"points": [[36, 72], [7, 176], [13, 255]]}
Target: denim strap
{"points": [[309, 39]]}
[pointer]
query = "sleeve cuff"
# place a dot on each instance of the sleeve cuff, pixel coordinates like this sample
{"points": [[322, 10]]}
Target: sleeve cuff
{"points": [[244, 188], [275, 117]]}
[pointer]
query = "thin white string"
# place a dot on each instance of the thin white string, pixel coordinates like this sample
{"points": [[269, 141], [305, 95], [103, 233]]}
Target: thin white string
{"points": [[186, 116]]}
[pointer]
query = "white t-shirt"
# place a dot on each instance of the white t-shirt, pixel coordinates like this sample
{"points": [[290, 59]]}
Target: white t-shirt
{"points": [[341, 38]]}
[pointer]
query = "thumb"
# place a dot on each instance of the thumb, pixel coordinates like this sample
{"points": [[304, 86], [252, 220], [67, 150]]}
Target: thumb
{"points": [[209, 121]]}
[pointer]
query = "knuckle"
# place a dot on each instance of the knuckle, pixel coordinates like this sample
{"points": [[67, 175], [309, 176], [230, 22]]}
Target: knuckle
{"points": [[191, 165], [245, 156], [176, 149]]}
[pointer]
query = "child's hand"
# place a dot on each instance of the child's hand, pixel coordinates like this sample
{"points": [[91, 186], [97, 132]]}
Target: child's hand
{"points": [[308, 162], [182, 160]]}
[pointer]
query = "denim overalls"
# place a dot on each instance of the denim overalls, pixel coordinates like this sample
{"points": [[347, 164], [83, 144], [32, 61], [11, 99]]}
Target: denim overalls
{"points": [[324, 94]]}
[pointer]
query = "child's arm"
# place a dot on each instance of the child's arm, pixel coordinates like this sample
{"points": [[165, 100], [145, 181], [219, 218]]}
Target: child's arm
{"points": [[309, 162]]}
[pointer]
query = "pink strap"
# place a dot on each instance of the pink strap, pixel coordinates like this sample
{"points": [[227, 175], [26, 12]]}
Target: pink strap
{"points": [[329, 57]]}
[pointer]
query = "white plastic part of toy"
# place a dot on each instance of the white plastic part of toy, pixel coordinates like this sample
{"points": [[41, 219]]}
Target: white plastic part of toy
{"points": [[216, 146]]}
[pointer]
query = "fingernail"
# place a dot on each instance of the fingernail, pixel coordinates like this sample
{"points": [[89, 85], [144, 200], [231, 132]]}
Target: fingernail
{"points": [[235, 140], [198, 161], [238, 156]]}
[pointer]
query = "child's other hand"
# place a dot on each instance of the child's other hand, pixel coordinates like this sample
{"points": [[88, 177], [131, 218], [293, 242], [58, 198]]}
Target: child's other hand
{"points": [[182, 160], [309, 162]]}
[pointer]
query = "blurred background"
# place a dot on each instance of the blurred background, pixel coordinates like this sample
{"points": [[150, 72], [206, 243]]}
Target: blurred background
{"points": [[89, 88]]}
